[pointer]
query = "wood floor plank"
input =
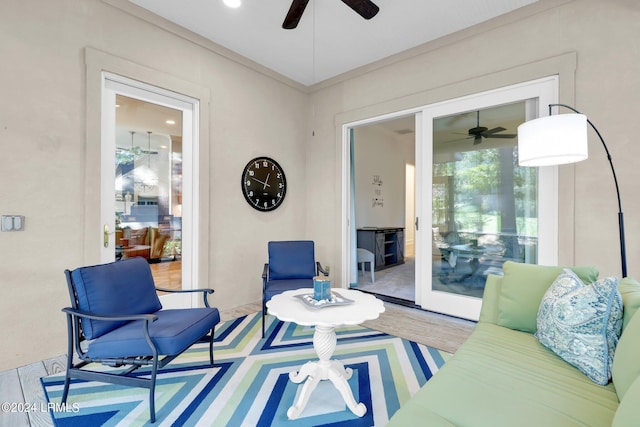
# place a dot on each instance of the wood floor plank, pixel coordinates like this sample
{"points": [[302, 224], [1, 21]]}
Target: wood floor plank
{"points": [[34, 394], [56, 365], [11, 393], [435, 330], [240, 311]]}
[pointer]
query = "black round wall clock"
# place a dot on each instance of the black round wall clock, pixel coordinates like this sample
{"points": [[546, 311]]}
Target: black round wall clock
{"points": [[263, 184]]}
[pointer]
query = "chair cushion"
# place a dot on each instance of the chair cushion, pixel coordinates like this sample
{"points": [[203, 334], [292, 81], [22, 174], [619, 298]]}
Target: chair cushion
{"points": [[117, 288], [173, 332], [275, 287], [291, 260]]}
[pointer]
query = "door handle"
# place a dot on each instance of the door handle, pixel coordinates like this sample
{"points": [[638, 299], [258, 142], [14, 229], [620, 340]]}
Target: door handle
{"points": [[106, 236]]}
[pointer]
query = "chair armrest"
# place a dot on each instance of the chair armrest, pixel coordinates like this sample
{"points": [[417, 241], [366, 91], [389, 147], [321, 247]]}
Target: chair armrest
{"points": [[265, 275], [206, 291], [112, 318], [321, 270], [146, 318]]}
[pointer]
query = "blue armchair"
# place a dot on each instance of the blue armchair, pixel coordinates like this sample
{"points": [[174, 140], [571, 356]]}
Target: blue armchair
{"points": [[291, 265], [116, 319]]}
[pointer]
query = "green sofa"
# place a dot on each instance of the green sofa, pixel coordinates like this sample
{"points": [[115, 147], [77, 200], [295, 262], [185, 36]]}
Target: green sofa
{"points": [[502, 375]]}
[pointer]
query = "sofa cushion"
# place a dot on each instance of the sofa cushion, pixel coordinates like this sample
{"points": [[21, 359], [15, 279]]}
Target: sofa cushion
{"points": [[626, 362], [628, 412], [581, 323], [501, 377], [630, 290], [490, 299], [117, 288], [522, 289]]}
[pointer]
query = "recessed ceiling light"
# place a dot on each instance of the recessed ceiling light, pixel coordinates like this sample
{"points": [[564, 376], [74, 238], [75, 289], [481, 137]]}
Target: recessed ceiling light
{"points": [[170, 122], [233, 3]]}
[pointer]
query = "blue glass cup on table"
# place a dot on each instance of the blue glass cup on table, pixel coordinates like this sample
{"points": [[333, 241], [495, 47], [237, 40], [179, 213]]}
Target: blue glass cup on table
{"points": [[321, 288]]}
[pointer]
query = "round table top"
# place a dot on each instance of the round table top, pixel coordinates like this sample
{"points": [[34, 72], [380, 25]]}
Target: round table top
{"points": [[288, 308]]}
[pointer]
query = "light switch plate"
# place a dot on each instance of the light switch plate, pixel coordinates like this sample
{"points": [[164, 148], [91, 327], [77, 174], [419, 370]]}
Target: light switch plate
{"points": [[12, 223]]}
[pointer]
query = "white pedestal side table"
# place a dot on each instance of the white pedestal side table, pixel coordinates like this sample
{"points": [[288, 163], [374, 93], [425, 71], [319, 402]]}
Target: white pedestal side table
{"points": [[288, 308]]}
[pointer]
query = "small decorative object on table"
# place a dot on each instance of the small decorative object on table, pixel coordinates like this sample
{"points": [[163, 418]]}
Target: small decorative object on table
{"points": [[333, 300], [321, 288]]}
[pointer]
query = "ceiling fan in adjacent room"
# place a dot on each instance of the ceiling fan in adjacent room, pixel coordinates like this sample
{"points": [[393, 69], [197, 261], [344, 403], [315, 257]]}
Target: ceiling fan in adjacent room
{"points": [[480, 132], [365, 8]]}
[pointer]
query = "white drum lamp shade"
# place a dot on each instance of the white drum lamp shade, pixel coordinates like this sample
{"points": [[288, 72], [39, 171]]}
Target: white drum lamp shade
{"points": [[561, 139], [553, 140]]}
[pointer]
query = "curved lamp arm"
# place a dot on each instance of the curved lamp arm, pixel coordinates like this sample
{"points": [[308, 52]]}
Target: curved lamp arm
{"points": [[623, 253]]}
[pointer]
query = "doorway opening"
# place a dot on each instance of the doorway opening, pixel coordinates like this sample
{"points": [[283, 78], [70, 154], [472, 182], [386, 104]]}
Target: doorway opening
{"points": [[474, 207], [383, 168]]}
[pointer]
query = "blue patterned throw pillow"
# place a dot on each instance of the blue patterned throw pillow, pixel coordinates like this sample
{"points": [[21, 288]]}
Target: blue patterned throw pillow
{"points": [[582, 323]]}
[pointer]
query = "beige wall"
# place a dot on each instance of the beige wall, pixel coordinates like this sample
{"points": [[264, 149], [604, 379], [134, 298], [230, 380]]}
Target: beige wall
{"points": [[592, 45], [377, 151], [43, 126], [43, 123]]}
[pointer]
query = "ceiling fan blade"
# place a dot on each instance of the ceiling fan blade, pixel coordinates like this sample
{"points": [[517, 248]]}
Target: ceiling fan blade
{"points": [[493, 133], [365, 8], [494, 130], [502, 136], [294, 14]]}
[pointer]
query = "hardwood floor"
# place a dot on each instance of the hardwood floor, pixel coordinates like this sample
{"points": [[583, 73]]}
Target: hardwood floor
{"points": [[23, 384], [167, 275]]}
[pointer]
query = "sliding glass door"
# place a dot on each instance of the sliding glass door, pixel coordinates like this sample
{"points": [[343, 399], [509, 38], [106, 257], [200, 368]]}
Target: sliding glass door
{"points": [[484, 209], [475, 208], [484, 205]]}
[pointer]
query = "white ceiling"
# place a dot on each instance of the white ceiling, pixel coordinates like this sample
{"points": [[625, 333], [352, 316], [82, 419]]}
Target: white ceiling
{"points": [[330, 39]]}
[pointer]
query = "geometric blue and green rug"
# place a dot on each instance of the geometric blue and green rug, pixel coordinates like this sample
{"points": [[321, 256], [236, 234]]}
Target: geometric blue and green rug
{"points": [[250, 386]]}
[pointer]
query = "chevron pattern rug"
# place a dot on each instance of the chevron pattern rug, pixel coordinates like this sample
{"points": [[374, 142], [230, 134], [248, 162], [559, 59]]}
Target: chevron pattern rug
{"points": [[249, 385]]}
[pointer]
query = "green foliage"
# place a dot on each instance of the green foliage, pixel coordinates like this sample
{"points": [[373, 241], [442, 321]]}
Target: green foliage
{"points": [[487, 185]]}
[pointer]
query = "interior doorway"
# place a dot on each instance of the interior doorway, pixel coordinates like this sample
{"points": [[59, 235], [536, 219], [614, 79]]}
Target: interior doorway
{"points": [[149, 137], [383, 170]]}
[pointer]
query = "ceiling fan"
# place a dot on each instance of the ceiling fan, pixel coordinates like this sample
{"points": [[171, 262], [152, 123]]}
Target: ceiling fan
{"points": [[479, 132], [365, 8]]}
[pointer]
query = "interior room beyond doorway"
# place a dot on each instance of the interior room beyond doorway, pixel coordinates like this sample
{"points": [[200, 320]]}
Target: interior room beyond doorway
{"points": [[383, 170]]}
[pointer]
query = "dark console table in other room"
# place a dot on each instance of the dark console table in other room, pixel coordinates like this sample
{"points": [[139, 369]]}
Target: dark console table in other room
{"points": [[386, 243]]}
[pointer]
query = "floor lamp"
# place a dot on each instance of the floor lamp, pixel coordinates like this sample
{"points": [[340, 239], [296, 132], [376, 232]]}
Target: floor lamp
{"points": [[561, 139]]}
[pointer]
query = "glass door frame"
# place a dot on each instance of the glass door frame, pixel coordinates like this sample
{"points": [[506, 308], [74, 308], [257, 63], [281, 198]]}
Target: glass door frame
{"points": [[543, 91], [113, 85], [546, 91]]}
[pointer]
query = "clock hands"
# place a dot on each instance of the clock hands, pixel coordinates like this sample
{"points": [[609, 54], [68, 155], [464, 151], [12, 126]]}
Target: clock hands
{"points": [[265, 185]]}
